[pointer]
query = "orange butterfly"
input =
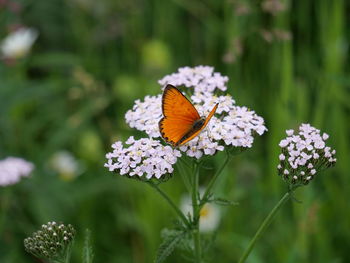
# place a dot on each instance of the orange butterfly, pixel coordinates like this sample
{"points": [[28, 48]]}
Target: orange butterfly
{"points": [[181, 121]]}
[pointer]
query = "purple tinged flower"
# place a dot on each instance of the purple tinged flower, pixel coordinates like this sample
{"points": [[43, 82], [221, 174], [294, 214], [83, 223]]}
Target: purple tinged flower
{"points": [[289, 132], [202, 78], [231, 125], [12, 169], [145, 157], [305, 154]]}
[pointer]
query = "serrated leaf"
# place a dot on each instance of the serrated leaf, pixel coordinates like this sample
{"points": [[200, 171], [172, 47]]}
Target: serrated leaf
{"points": [[171, 240], [222, 201]]}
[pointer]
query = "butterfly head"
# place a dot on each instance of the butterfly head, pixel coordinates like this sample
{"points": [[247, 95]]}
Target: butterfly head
{"points": [[198, 124]]}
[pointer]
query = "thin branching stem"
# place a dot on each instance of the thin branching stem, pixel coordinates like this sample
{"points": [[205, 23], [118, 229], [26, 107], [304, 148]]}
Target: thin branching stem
{"points": [[196, 213], [264, 225], [213, 181], [170, 202]]}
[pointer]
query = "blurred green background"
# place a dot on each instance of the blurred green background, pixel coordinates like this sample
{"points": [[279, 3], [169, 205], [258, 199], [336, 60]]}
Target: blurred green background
{"points": [[287, 60]]}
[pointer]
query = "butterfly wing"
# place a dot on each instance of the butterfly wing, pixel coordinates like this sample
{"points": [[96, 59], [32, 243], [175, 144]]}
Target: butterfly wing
{"points": [[179, 115], [172, 131], [204, 124], [176, 105]]}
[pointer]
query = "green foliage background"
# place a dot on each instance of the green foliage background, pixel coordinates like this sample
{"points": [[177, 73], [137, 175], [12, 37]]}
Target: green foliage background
{"points": [[94, 58]]}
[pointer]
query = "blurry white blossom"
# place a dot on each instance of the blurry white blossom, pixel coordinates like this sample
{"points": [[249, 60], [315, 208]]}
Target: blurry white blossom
{"points": [[144, 158], [17, 44], [273, 7], [65, 164], [209, 216], [12, 169], [201, 78], [304, 154]]}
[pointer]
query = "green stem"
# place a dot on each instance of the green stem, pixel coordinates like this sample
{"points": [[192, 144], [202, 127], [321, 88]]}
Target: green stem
{"points": [[184, 174], [5, 200], [67, 256], [213, 180], [263, 226], [196, 213], [170, 202]]}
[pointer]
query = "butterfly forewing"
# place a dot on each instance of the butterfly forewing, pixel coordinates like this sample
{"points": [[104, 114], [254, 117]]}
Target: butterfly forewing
{"points": [[177, 126], [176, 105]]}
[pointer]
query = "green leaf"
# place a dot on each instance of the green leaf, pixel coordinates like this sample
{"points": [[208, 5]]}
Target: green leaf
{"points": [[87, 249], [222, 201], [171, 239]]}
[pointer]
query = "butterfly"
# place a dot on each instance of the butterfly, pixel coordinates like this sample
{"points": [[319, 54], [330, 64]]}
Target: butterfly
{"points": [[181, 121]]}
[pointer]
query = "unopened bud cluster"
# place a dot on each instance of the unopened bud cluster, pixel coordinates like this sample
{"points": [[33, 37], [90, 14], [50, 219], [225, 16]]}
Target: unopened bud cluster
{"points": [[51, 241], [304, 154]]}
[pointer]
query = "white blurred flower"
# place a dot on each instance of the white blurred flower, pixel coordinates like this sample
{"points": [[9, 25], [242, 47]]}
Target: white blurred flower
{"points": [[65, 164], [304, 154], [12, 169], [209, 215], [145, 157], [17, 44], [273, 6], [202, 78]]}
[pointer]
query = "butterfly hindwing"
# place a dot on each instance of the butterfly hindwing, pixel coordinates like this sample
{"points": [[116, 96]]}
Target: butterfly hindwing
{"points": [[172, 130], [194, 134]]}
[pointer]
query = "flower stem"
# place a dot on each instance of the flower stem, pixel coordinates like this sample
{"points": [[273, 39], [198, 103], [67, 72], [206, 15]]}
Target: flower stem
{"points": [[213, 180], [196, 213], [264, 225], [170, 202], [67, 256]]}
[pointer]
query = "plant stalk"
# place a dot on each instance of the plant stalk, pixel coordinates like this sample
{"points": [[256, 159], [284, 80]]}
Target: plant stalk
{"points": [[213, 180], [263, 226], [170, 202], [196, 213]]}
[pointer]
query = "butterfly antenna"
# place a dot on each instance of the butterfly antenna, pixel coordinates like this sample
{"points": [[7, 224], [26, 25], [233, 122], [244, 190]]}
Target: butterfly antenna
{"points": [[208, 134]]}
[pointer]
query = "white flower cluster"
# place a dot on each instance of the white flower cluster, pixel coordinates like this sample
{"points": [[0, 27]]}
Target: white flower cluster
{"points": [[144, 157], [12, 169], [304, 154], [145, 115], [202, 78], [18, 44], [236, 126], [230, 126]]}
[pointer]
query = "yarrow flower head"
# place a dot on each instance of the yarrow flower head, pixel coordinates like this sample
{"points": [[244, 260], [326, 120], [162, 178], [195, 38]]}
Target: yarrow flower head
{"points": [[18, 44], [144, 158], [145, 115], [231, 126], [202, 78], [52, 241], [304, 154], [12, 169]]}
